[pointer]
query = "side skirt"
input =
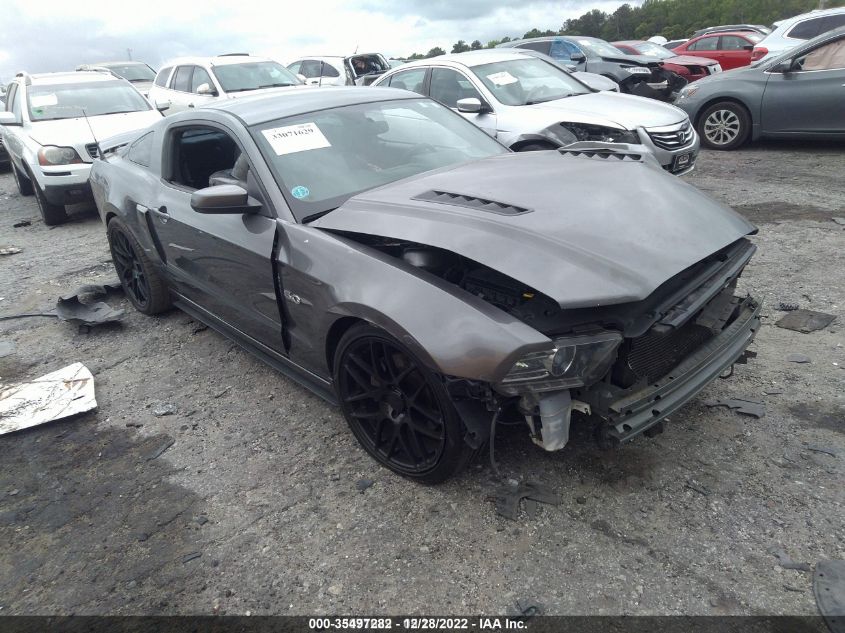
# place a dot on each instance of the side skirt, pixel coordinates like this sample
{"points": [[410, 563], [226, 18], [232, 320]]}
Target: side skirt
{"points": [[303, 377]]}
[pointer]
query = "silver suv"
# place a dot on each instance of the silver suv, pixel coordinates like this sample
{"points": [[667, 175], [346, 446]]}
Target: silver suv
{"points": [[528, 103]]}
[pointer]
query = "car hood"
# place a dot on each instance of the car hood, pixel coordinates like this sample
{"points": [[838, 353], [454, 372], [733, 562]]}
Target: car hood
{"points": [[628, 111], [596, 231], [690, 60], [142, 86], [70, 132], [633, 60]]}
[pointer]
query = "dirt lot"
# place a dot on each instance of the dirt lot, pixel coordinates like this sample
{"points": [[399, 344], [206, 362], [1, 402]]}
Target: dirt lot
{"points": [[254, 507]]}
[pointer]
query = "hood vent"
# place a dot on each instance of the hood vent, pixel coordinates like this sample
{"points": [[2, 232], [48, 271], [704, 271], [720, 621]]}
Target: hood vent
{"points": [[471, 202], [600, 152]]}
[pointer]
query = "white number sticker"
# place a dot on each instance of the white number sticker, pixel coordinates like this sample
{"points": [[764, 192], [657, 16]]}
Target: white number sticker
{"points": [[503, 78], [296, 138]]}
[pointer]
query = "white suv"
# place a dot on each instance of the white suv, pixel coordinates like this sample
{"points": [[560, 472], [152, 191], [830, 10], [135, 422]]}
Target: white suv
{"points": [[191, 82], [51, 127], [788, 34]]}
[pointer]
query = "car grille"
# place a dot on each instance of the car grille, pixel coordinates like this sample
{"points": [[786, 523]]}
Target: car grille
{"points": [[651, 356], [93, 150], [672, 137]]}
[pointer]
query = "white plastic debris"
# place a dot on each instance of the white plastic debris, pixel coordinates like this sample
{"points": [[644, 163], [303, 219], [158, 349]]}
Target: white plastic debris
{"points": [[60, 394]]}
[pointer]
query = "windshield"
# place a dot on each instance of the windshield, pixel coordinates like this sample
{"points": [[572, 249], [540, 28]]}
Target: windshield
{"points": [[254, 75], [323, 158], [527, 81], [655, 50], [598, 47], [133, 72], [68, 101]]}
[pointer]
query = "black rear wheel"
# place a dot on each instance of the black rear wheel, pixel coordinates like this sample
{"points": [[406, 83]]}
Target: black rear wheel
{"points": [[398, 408], [142, 283]]}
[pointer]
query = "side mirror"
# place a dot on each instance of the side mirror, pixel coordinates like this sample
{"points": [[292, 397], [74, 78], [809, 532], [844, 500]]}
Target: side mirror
{"points": [[161, 106], [229, 199], [205, 89], [571, 67], [473, 105], [782, 67], [9, 118], [301, 77], [578, 58]]}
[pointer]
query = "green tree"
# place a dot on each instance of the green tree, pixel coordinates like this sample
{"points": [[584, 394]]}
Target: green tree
{"points": [[476, 45], [460, 47], [434, 52]]}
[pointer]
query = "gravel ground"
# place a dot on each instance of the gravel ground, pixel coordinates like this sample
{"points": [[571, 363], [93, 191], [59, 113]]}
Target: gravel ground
{"points": [[253, 506]]}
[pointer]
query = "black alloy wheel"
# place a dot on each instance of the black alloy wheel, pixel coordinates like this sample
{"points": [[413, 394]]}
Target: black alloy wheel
{"points": [[397, 408], [143, 286]]}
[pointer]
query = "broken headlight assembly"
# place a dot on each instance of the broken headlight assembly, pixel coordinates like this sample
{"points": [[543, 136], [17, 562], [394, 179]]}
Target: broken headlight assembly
{"points": [[601, 133], [637, 70], [52, 155], [572, 362]]}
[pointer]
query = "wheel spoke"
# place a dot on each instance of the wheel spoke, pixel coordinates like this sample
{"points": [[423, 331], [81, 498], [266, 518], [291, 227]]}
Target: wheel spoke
{"points": [[422, 430]]}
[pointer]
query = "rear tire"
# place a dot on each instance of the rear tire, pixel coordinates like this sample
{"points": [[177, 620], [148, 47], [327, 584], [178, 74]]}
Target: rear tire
{"points": [[52, 214], [145, 288], [397, 408], [724, 126], [23, 183]]}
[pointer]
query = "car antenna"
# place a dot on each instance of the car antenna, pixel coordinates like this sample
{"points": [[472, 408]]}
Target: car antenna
{"points": [[320, 80], [94, 136]]}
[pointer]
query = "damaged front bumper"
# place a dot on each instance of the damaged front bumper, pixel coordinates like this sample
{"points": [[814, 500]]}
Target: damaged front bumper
{"points": [[631, 413]]}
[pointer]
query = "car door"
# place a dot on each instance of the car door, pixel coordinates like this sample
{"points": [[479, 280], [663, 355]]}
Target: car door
{"points": [[809, 98], [221, 263], [200, 79], [447, 86], [706, 46], [412, 79], [735, 50], [180, 89], [11, 139]]}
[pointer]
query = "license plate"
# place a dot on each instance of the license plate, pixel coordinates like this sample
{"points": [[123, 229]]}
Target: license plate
{"points": [[682, 161]]}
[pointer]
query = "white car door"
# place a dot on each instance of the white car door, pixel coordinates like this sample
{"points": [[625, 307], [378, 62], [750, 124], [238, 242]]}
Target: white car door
{"points": [[203, 88], [179, 89]]}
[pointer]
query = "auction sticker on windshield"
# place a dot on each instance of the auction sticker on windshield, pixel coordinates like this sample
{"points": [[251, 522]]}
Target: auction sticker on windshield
{"points": [[39, 101], [503, 78], [296, 138]]}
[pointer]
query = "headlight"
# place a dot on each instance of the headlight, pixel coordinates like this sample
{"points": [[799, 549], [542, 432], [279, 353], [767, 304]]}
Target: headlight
{"points": [[688, 91], [637, 70], [52, 155], [585, 132], [572, 362]]}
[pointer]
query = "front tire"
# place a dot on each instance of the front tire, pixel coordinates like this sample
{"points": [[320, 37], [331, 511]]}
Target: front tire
{"points": [[144, 286], [23, 183], [397, 408], [724, 126], [52, 214]]}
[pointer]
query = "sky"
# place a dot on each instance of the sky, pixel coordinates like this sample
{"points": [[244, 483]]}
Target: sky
{"points": [[52, 35]]}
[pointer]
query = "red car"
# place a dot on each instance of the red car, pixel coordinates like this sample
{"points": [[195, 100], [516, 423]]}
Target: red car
{"points": [[731, 50], [687, 66]]}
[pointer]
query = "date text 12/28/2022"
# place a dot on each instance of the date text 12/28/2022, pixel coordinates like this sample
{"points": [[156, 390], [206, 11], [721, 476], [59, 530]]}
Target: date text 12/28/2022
{"points": [[416, 624]]}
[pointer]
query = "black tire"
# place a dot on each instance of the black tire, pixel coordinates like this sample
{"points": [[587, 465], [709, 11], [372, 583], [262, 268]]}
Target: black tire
{"points": [[23, 183], [535, 147], [144, 286], [52, 214], [724, 126], [397, 408]]}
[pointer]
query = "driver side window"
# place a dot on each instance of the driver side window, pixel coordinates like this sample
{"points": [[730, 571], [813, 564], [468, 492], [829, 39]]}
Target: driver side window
{"points": [[448, 86], [201, 156], [831, 56]]}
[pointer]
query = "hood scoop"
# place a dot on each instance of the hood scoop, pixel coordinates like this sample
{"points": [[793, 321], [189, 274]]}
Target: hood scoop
{"points": [[600, 151], [471, 202]]}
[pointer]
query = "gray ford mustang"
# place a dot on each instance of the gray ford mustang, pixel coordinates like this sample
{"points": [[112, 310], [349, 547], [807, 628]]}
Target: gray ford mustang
{"points": [[393, 258]]}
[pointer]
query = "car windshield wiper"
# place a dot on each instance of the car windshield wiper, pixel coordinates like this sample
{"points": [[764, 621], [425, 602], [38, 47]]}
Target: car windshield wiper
{"points": [[279, 85], [115, 112], [555, 98]]}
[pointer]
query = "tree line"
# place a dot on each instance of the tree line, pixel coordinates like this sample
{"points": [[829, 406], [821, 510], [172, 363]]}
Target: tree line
{"points": [[673, 19]]}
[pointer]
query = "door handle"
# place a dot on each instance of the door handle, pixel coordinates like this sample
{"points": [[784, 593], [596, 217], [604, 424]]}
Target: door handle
{"points": [[190, 105], [162, 209]]}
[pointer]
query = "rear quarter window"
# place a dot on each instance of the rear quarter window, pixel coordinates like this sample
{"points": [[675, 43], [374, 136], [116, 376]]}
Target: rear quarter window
{"points": [[805, 30]]}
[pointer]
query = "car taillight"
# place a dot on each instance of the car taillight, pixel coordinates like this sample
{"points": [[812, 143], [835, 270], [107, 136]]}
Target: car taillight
{"points": [[759, 53]]}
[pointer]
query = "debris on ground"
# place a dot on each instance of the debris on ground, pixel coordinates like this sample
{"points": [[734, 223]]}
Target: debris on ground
{"points": [[10, 250], [363, 484], [753, 408], [829, 589], [70, 307], [805, 321], [160, 450], [164, 409], [220, 394], [774, 391], [199, 327], [189, 557], [821, 449], [787, 307], [697, 487], [840, 221], [798, 358], [507, 498], [54, 396], [21, 223], [786, 562]]}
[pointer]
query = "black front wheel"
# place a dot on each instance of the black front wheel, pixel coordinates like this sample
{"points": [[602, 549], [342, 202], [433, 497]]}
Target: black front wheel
{"points": [[141, 282], [23, 183], [398, 408]]}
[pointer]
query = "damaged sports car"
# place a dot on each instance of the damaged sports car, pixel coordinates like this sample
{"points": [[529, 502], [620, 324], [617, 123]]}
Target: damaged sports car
{"points": [[388, 255]]}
